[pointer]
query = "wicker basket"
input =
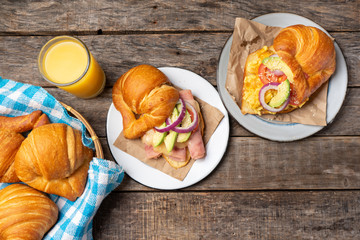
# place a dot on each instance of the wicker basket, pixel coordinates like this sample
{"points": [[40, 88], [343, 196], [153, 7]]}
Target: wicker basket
{"points": [[94, 137]]}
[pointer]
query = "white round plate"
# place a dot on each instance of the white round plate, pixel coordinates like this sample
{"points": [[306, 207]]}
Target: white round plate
{"points": [[215, 148], [273, 130]]}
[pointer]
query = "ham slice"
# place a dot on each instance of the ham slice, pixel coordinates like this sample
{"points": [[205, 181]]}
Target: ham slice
{"points": [[177, 154], [195, 144], [150, 153], [187, 96]]}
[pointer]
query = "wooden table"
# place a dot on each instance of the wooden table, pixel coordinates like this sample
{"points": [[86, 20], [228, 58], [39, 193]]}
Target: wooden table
{"points": [[308, 189]]}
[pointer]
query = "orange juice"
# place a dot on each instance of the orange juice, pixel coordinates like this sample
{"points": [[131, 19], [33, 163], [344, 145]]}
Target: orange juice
{"points": [[67, 63]]}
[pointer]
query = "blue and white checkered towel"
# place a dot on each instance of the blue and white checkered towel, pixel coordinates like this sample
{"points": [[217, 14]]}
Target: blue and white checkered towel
{"points": [[75, 218]]}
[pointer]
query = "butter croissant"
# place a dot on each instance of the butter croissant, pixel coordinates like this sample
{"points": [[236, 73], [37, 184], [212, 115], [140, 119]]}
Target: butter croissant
{"points": [[25, 213], [9, 144], [53, 159], [25, 122], [144, 91], [303, 55]]}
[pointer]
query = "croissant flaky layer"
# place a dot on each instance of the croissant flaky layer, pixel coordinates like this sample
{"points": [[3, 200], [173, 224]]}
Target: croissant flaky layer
{"points": [[25, 213], [143, 91], [53, 159], [10, 142], [309, 56]]}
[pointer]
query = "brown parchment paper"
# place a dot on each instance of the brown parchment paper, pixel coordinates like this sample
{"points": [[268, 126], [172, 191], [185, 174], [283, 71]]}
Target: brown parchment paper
{"points": [[212, 117], [250, 36]]}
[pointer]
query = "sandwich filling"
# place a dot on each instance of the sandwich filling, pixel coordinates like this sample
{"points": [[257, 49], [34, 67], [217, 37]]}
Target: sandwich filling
{"points": [[268, 83], [179, 138]]}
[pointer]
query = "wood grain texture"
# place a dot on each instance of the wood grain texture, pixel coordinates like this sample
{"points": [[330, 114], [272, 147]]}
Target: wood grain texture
{"points": [[95, 111], [319, 177], [229, 215], [87, 17], [251, 163], [117, 54]]}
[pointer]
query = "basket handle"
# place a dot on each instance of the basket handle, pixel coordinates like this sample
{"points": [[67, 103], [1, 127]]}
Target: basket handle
{"points": [[94, 137]]}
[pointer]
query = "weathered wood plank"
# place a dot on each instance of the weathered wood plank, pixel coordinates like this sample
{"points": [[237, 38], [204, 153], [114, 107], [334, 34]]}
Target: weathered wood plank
{"points": [[229, 215], [253, 164], [95, 111], [59, 17], [117, 54]]}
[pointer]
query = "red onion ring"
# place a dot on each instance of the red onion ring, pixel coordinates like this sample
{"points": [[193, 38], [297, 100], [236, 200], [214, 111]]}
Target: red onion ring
{"points": [[177, 121], [193, 124], [263, 90]]}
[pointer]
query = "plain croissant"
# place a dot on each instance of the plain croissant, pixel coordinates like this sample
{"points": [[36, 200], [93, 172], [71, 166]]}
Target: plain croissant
{"points": [[25, 213], [9, 144], [145, 91], [53, 159], [24, 123], [11, 139]]}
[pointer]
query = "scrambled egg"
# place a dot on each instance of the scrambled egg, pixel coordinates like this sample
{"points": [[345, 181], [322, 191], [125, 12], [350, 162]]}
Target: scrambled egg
{"points": [[252, 82]]}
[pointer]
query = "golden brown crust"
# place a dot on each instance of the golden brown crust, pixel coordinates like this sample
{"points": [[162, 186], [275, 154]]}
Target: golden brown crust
{"points": [[21, 123], [25, 213], [43, 120], [53, 159], [10, 142], [310, 54], [143, 90]]}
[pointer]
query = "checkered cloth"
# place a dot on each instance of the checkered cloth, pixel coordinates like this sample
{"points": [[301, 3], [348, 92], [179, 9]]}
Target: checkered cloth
{"points": [[75, 218]]}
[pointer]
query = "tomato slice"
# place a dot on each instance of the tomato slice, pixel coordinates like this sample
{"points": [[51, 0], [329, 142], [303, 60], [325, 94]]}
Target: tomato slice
{"points": [[192, 119], [267, 76]]}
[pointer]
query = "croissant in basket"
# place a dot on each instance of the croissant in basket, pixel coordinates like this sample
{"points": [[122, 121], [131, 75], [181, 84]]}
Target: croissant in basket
{"points": [[11, 139], [143, 91], [25, 213], [10, 142], [282, 77], [24, 123], [53, 159]]}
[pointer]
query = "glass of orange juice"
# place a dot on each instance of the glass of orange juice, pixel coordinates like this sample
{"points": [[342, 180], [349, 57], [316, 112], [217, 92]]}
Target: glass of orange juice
{"points": [[67, 63]]}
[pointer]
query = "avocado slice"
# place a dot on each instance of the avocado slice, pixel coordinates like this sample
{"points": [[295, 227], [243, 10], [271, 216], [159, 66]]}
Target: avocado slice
{"points": [[183, 137], [283, 93], [158, 137], [170, 139], [275, 63]]}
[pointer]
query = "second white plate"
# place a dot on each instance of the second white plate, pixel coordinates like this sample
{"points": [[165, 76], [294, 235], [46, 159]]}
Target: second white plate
{"points": [[284, 131], [215, 148]]}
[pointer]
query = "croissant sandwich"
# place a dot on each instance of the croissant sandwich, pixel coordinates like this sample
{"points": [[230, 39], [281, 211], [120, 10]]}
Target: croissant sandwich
{"points": [[282, 77], [25, 213], [168, 121], [53, 159]]}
